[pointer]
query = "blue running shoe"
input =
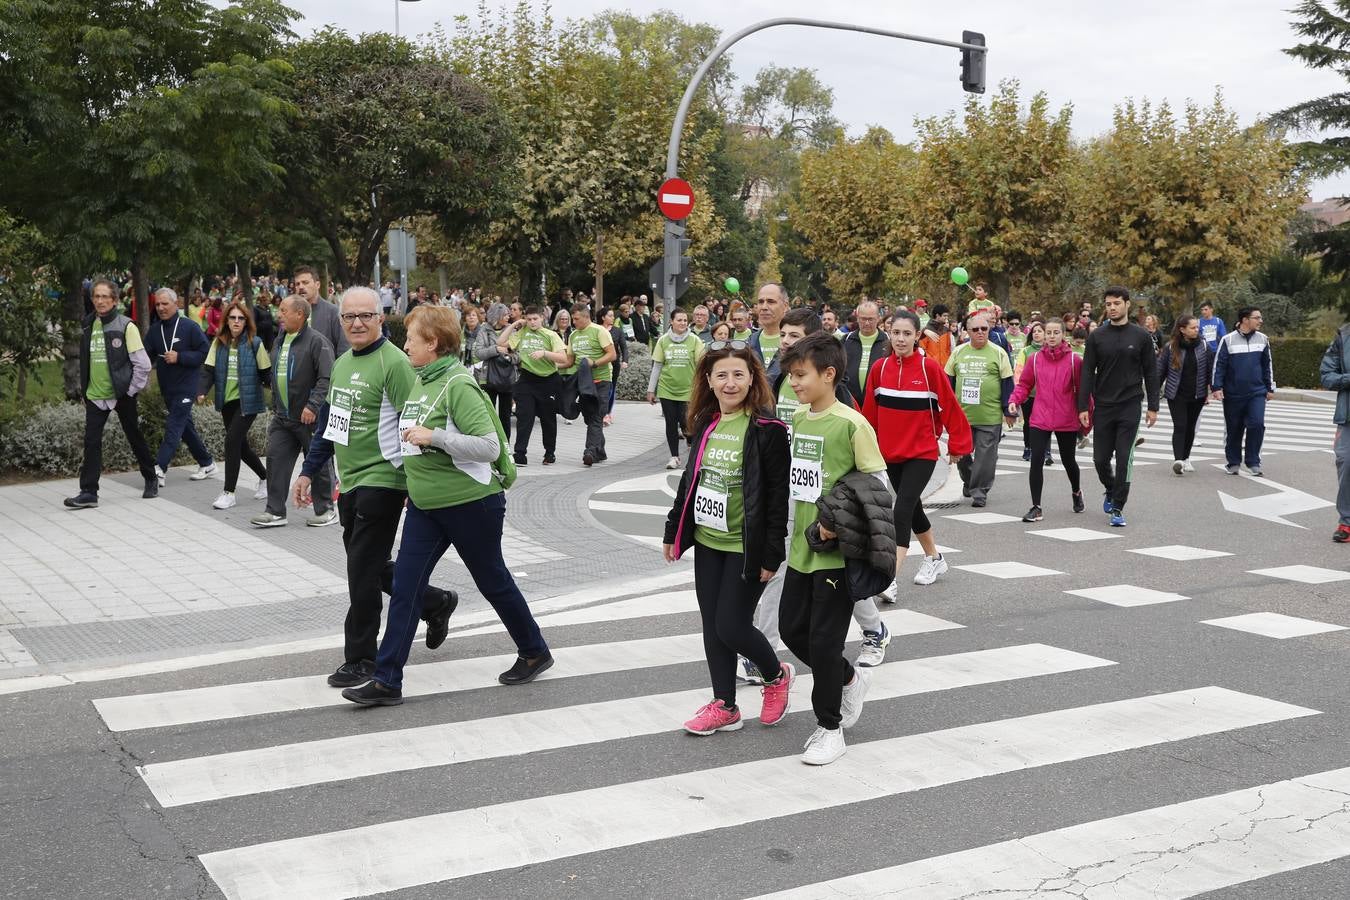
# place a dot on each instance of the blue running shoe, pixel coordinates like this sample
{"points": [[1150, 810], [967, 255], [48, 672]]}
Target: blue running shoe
{"points": [[1117, 519], [1106, 504]]}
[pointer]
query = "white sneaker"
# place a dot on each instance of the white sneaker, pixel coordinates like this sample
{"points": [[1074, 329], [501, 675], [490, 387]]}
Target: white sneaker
{"points": [[1186, 466], [1178, 467], [891, 593], [225, 500], [824, 747], [873, 652], [930, 569], [850, 708], [161, 475], [674, 463], [261, 492], [203, 472]]}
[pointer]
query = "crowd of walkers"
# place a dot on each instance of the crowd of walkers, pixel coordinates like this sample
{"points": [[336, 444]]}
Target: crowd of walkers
{"points": [[806, 444]]}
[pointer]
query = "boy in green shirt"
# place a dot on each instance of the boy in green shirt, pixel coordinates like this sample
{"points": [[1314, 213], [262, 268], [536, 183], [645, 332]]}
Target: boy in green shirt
{"points": [[829, 440], [541, 352], [593, 342]]}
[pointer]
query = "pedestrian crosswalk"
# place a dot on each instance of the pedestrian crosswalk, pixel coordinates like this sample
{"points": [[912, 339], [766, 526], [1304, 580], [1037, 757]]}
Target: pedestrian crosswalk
{"points": [[995, 707]]}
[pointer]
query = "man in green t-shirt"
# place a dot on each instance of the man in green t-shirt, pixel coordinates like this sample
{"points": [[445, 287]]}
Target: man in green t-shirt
{"points": [[771, 305], [592, 342], [740, 324], [862, 348], [541, 352], [114, 368], [982, 377]]}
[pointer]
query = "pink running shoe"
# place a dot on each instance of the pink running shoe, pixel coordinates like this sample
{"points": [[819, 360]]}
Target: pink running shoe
{"points": [[776, 697], [714, 717]]}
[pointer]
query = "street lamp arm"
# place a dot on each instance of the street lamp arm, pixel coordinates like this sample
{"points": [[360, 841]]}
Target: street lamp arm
{"points": [[677, 128]]}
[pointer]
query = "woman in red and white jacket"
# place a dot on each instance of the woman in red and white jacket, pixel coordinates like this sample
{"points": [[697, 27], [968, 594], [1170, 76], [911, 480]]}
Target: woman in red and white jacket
{"points": [[1053, 372], [909, 401]]}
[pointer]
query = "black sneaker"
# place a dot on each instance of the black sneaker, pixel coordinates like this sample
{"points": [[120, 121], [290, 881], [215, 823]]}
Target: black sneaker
{"points": [[350, 674], [1078, 504], [151, 488], [1026, 454], [373, 693], [520, 459], [549, 459], [438, 624], [587, 459], [526, 670], [977, 502], [82, 500], [1033, 515], [1049, 460], [601, 456]]}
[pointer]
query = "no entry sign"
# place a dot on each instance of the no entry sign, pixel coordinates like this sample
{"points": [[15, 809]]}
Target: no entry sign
{"points": [[675, 198]]}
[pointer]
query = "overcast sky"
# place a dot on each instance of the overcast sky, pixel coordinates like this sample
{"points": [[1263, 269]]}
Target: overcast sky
{"points": [[1089, 53]]}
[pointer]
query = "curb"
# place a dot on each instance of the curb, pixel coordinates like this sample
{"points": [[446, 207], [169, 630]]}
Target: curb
{"points": [[1325, 399]]}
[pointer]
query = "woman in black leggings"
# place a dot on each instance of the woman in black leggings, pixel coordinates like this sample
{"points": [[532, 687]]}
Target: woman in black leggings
{"points": [[909, 401], [1183, 371], [236, 369], [672, 377], [1053, 373]]}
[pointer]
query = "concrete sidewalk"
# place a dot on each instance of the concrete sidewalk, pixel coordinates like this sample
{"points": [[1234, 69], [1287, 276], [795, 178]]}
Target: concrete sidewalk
{"points": [[139, 579]]}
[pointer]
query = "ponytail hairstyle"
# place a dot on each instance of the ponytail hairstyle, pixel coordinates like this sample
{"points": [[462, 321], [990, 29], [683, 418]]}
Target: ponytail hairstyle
{"points": [[1175, 342], [703, 405]]}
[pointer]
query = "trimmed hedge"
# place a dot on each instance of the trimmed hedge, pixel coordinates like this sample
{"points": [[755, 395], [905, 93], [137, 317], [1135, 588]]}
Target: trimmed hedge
{"points": [[1298, 361], [633, 380]]}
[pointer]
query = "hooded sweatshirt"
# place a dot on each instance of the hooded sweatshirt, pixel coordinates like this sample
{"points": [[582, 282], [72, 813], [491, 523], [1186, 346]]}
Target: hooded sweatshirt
{"points": [[1053, 373], [909, 402]]}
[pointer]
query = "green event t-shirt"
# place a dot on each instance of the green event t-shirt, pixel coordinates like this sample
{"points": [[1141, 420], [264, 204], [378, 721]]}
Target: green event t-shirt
{"points": [[678, 360], [1016, 341], [232, 367], [283, 358], [720, 473], [841, 441], [590, 343], [978, 376], [769, 346], [100, 376], [373, 387], [742, 335], [446, 396], [865, 358], [527, 340], [787, 404]]}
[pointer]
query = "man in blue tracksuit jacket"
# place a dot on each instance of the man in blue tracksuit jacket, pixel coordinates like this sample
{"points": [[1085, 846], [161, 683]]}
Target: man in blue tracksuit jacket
{"points": [[1244, 379], [177, 348]]}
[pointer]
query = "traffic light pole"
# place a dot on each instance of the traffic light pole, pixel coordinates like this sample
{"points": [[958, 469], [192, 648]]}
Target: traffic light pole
{"points": [[675, 230]]}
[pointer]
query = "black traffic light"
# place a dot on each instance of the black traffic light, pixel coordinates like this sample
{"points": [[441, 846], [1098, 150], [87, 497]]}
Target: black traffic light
{"points": [[972, 63]]}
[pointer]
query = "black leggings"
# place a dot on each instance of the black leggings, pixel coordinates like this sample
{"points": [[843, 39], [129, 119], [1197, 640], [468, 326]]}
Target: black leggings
{"points": [[237, 447], [674, 412], [1027, 406], [503, 401], [1040, 445], [908, 478], [1185, 416], [727, 604]]}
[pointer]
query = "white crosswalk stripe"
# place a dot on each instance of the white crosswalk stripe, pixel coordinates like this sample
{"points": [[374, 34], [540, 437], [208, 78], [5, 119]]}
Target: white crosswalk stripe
{"points": [[1168, 851]]}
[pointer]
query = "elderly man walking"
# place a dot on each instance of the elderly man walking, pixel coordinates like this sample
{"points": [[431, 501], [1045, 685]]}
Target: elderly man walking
{"points": [[303, 363], [358, 426], [982, 377], [177, 348], [862, 348], [114, 368]]}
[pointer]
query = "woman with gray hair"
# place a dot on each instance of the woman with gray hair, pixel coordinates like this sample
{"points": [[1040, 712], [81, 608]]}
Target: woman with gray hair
{"points": [[484, 349]]}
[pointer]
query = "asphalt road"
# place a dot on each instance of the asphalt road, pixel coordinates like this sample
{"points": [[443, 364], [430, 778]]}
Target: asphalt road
{"points": [[1081, 730]]}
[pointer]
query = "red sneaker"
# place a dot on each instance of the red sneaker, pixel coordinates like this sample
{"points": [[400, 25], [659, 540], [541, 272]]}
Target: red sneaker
{"points": [[714, 717], [776, 699], [1342, 535]]}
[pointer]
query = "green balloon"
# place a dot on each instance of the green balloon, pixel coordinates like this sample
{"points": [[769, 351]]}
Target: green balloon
{"points": [[960, 275], [732, 285]]}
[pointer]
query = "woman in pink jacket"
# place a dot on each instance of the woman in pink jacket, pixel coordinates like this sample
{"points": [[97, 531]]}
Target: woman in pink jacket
{"points": [[1053, 372]]}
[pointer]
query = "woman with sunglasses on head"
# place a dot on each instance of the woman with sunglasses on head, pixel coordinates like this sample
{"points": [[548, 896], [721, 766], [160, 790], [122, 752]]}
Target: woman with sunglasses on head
{"points": [[237, 367], [732, 508]]}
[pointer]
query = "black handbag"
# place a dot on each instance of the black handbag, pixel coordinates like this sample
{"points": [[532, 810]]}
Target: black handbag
{"points": [[502, 372]]}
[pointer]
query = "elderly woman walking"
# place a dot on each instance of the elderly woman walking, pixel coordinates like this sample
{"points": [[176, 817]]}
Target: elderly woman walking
{"points": [[485, 348]]}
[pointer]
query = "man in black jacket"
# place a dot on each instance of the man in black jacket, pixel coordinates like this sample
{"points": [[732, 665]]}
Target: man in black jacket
{"points": [[862, 348], [1118, 371], [177, 348]]}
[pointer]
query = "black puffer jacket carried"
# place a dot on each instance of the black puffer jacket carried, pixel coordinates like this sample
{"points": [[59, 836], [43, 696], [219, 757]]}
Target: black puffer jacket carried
{"points": [[764, 490], [858, 511]]}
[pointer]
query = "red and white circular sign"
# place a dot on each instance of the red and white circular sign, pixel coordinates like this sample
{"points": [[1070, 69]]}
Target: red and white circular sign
{"points": [[675, 198]]}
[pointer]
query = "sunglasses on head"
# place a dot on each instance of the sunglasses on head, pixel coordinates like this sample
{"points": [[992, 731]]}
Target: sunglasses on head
{"points": [[734, 345]]}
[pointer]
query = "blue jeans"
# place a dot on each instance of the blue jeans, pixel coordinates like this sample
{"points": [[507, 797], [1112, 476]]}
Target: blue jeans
{"points": [[1247, 413], [475, 531], [178, 428]]}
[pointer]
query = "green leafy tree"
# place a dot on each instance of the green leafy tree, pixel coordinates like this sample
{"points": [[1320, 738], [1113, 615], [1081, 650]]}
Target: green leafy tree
{"points": [[1189, 203], [992, 192], [29, 304], [376, 116]]}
